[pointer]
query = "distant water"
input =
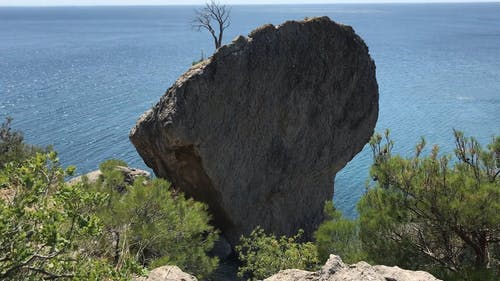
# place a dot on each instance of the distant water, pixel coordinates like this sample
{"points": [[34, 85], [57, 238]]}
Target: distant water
{"points": [[79, 78]]}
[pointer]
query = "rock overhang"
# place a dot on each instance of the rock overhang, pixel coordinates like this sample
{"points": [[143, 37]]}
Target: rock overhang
{"points": [[258, 130]]}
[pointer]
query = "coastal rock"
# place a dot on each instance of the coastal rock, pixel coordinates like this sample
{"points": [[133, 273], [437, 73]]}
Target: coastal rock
{"points": [[395, 273], [293, 274], [336, 270], [259, 130], [167, 273], [129, 174]]}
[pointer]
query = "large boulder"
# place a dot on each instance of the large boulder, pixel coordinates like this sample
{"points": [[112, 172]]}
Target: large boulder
{"points": [[259, 130], [336, 270]]}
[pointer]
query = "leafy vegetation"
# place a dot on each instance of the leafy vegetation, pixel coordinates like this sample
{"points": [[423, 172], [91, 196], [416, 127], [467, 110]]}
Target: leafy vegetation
{"points": [[263, 255], [104, 230], [148, 222], [434, 212], [43, 221], [429, 212], [12, 146], [340, 236]]}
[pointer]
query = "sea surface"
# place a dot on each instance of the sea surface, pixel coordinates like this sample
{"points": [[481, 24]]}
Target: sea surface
{"points": [[79, 77]]}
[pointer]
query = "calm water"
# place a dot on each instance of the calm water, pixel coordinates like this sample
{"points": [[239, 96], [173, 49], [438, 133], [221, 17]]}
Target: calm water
{"points": [[79, 78]]}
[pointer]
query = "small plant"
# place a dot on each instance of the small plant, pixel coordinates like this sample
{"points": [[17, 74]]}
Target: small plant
{"points": [[12, 146], [263, 255]]}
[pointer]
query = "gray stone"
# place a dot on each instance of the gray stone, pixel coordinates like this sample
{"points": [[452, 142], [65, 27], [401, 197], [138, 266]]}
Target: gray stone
{"points": [[167, 273], [293, 274], [333, 265], [335, 270], [129, 174], [394, 273], [259, 130]]}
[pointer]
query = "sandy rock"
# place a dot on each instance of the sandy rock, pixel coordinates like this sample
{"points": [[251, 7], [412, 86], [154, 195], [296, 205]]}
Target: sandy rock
{"points": [[360, 271], [333, 265], [335, 270], [394, 273], [293, 274], [167, 273]]}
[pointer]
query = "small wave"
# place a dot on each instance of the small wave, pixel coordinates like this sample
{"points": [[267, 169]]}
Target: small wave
{"points": [[464, 98]]}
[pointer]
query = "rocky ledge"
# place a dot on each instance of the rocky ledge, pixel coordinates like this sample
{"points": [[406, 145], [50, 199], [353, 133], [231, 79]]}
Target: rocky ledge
{"points": [[333, 270], [336, 270]]}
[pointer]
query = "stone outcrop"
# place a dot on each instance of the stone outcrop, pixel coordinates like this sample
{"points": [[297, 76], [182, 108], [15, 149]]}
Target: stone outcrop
{"points": [[167, 273], [259, 130], [129, 174], [336, 270]]}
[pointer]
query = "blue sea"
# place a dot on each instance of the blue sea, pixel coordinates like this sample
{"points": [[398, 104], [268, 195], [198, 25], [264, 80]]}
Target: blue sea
{"points": [[79, 77]]}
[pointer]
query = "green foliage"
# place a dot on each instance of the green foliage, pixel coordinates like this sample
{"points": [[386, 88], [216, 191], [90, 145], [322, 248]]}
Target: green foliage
{"points": [[12, 146], [150, 224], [263, 255], [42, 222], [112, 181], [434, 212], [107, 230], [340, 236], [109, 166]]}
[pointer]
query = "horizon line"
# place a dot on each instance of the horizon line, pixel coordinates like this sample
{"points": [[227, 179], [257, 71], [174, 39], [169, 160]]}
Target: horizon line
{"points": [[265, 4]]}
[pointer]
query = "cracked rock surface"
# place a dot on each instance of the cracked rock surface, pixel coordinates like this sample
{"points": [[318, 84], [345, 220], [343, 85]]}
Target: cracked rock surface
{"points": [[259, 130]]}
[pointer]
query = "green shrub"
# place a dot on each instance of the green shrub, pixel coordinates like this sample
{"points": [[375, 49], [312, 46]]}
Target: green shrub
{"points": [[107, 230], [43, 221], [433, 212], [12, 146], [339, 236], [153, 225], [263, 255], [109, 166]]}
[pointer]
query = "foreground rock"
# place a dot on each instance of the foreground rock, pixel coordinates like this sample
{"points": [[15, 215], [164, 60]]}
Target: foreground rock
{"points": [[167, 273], [259, 130], [336, 270]]}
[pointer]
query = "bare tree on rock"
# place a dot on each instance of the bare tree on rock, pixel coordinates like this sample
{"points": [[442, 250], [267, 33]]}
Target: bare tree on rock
{"points": [[215, 18]]}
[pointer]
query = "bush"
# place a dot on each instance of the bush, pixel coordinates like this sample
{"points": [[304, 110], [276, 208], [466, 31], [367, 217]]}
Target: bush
{"points": [[434, 212], [12, 146], [107, 230], [340, 236], [263, 255], [42, 222], [150, 223]]}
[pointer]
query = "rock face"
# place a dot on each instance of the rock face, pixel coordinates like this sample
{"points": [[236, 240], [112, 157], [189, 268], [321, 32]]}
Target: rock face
{"points": [[336, 270], [259, 130]]}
